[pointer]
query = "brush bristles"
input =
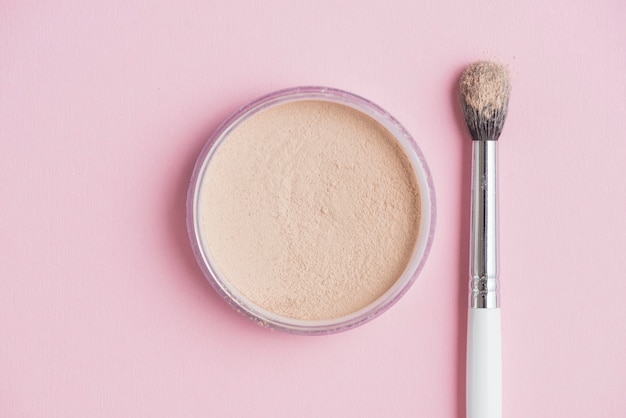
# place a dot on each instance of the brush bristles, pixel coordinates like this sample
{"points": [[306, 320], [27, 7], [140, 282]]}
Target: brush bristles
{"points": [[485, 89]]}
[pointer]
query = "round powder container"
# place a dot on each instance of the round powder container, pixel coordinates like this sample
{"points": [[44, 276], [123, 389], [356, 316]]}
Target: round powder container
{"points": [[311, 210]]}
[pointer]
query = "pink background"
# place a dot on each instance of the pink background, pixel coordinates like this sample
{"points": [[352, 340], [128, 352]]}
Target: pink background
{"points": [[104, 107]]}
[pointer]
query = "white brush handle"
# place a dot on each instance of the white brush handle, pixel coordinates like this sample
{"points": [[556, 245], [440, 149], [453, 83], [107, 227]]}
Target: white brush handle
{"points": [[484, 364]]}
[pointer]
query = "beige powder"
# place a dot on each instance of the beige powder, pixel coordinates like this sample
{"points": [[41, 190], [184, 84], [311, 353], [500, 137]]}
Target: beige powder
{"points": [[485, 86], [310, 209]]}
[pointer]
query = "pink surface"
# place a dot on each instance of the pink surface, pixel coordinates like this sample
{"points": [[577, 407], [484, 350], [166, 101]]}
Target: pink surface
{"points": [[105, 105]]}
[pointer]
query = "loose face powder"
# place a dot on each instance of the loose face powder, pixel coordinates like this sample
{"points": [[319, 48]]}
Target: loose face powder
{"points": [[307, 211]]}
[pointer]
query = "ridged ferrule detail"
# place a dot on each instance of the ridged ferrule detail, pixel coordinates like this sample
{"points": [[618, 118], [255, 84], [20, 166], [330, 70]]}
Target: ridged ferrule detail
{"points": [[484, 281]]}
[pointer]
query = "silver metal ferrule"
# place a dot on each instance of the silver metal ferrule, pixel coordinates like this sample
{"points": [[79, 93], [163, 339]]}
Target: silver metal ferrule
{"points": [[484, 282]]}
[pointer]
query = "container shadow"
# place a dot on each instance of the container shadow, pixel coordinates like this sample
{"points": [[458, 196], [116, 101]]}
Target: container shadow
{"points": [[177, 210]]}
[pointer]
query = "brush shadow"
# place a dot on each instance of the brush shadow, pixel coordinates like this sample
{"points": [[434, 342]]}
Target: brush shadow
{"points": [[464, 240]]}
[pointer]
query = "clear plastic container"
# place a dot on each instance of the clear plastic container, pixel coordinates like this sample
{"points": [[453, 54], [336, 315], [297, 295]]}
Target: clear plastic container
{"points": [[427, 221]]}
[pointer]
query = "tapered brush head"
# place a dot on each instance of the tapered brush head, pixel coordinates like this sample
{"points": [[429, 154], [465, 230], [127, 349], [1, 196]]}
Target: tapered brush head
{"points": [[485, 89]]}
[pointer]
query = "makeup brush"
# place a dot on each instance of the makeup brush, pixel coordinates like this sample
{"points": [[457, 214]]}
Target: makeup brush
{"points": [[485, 89]]}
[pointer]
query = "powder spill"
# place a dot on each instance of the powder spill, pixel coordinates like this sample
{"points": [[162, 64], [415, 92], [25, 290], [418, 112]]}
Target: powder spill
{"points": [[310, 209]]}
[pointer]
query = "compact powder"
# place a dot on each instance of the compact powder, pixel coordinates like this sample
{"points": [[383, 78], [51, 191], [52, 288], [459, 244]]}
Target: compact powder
{"points": [[309, 210]]}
